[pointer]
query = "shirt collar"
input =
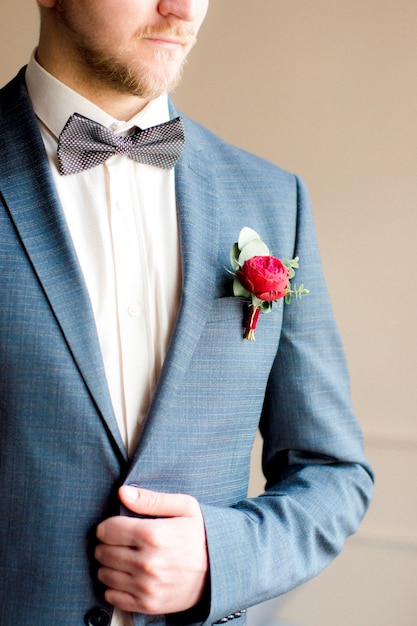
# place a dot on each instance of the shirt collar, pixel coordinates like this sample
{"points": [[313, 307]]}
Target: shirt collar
{"points": [[54, 103]]}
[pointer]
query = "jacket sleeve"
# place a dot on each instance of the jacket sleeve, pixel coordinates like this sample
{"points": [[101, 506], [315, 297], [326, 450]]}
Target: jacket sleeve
{"points": [[318, 483]]}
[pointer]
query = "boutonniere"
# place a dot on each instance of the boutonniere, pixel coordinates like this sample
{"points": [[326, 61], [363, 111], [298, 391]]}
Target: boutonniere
{"points": [[260, 277]]}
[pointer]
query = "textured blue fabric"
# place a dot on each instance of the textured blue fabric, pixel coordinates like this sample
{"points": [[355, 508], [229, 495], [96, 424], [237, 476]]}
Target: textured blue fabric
{"points": [[61, 457]]}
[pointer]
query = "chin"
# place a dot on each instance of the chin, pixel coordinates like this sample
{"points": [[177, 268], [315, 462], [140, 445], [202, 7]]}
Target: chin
{"points": [[152, 85]]}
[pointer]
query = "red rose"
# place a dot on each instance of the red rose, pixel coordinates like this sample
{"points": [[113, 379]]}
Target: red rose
{"points": [[266, 277]]}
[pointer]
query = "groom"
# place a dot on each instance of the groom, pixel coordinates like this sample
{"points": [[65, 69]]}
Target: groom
{"points": [[129, 397]]}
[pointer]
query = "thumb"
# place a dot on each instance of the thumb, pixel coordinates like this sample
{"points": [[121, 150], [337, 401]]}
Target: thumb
{"points": [[158, 504]]}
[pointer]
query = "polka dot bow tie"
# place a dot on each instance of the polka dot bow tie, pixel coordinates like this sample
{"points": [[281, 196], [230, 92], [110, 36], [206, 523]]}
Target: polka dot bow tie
{"points": [[83, 144]]}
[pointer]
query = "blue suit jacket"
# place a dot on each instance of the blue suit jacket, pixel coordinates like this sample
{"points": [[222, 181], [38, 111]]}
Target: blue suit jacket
{"points": [[61, 456]]}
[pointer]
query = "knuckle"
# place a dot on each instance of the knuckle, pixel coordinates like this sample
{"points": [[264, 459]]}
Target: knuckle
{"points": [[149, 604], [136, 561], [192, 504], [152, 535], [151, 569]]}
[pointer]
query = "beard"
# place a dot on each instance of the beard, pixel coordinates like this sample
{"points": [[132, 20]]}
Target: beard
{"points": [[160, 73], [132, 78]]}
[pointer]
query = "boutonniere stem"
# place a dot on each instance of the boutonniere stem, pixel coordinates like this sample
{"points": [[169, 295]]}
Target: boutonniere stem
{"points": [[260, 277]]}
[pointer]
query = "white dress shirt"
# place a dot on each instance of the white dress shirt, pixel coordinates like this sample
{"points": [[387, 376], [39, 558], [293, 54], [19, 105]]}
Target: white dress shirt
{"points": [[123, 222]]}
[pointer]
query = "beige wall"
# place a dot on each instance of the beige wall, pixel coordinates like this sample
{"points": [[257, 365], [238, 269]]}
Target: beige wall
{"points": [[328, 89]]}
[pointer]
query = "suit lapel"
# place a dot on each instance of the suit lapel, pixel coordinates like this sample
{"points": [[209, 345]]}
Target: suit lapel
{"points": [[197, 207], [27, 188]]}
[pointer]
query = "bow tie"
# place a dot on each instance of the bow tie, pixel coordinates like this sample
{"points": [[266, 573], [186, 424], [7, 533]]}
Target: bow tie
{"points": [[83, 144]]}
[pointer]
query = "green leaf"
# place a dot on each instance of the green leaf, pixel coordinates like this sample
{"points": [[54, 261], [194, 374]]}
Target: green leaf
{"points": [[246, 235], [291, 263], [234, 254], [239, 290], [256, 247], [266, 307]]}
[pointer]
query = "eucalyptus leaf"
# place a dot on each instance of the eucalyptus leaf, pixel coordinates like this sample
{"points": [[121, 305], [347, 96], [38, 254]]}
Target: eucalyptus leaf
{"points": [[245, 236], [266, 307], [255, 247], [239, 290], [291, 263], [234, 254]]}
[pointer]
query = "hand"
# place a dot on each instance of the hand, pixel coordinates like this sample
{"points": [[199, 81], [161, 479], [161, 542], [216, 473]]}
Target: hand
{"points": [[153, 566]]}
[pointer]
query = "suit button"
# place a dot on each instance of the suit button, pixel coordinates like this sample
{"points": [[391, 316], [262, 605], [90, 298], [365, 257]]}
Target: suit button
{"points": [[97, 617]]}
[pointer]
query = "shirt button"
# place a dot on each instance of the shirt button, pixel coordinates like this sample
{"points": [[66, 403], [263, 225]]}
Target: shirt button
{"points": [[134, 309], [97, 617]]}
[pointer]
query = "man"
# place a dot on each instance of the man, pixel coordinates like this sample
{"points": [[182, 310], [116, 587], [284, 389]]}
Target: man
{"points": [[129, 398]]}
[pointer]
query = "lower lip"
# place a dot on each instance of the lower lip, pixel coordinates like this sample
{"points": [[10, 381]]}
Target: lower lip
{"points": [[166, 43]]}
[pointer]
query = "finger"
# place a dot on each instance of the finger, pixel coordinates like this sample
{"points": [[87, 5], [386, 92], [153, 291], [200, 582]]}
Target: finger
{"points": [[121, 558], [149, 605], [123, 592], [157, 504], [123, 601], [117, 580], [120, 531]]}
